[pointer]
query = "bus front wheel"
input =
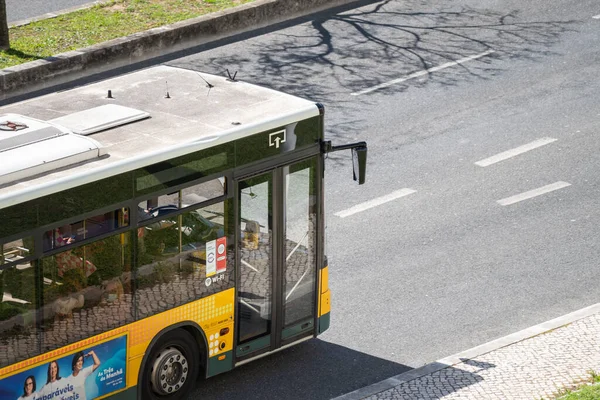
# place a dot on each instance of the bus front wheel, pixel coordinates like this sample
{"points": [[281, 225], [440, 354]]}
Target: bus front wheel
{"points": [[172, 368]]}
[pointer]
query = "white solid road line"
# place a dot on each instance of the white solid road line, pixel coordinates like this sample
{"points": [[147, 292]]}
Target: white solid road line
{"points": [[421, 73], [515, 152], [375, 202], [533, 193], [596, 16]]}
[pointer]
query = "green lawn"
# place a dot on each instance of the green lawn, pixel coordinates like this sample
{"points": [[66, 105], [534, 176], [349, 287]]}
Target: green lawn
{"points": [[588, 392], [100, 23]]}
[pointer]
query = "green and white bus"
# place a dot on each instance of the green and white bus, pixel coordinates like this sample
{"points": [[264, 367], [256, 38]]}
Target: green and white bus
{"points": [[155, 227]]}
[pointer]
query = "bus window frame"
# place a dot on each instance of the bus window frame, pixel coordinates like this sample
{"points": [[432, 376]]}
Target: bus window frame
{"points": [[86, 240], [256, 168], [23, 260], [42, 230]]}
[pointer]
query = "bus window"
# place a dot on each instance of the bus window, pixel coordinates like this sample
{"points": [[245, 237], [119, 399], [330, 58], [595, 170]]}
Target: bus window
{"points": [[18, 334], [87, 290], [172, 259], [86, 229], [16, 250], [256, 249], [169, 203], [300, 232]]}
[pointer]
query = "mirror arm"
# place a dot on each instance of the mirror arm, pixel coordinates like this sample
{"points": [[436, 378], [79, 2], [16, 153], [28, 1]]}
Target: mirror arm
{"points": [[359, 157], [326, 146]]}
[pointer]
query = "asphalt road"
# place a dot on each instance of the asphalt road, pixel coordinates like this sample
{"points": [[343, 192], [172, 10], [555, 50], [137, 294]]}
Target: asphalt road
{"points": [[18, 10], [481, 247]]}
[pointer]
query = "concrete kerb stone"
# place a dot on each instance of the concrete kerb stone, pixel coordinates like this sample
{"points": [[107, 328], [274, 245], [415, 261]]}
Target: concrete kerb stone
{"points": [[471, 354], [66, 67]]}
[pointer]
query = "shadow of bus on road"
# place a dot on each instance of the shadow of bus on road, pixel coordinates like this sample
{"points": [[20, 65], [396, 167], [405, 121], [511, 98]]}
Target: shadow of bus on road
{"points": [[316, 370]]}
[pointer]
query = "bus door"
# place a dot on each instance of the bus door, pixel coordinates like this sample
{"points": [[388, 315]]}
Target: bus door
{"points": [[277, 258]]}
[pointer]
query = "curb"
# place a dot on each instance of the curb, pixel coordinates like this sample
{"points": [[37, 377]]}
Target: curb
{"points": [[42, 75], [472, 353]]}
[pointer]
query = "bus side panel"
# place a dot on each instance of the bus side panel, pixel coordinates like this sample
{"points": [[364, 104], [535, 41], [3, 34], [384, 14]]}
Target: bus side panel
{"points": [[127, 394], [214, 314], [324, 301]]}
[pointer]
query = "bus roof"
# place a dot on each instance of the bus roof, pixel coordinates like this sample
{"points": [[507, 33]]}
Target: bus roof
{"points": [[149, 116]]}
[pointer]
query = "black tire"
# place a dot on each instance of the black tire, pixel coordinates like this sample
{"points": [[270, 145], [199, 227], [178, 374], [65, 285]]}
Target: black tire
{"points": [[177, 353]]}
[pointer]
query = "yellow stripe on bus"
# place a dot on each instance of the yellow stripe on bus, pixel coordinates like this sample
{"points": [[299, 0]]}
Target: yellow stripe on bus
{"points": [[325, 294], [211, 313]]}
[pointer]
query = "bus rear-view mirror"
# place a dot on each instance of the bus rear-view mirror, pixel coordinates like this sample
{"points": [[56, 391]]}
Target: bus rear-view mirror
{"points": [[359, 163]]}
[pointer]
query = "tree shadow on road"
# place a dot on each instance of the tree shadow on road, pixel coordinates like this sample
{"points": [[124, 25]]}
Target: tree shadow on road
{"points": [[332, 55], [377, 43]]}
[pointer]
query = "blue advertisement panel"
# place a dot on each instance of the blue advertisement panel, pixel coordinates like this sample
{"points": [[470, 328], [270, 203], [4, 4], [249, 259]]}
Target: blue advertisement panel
{"points": [[93, 372]]}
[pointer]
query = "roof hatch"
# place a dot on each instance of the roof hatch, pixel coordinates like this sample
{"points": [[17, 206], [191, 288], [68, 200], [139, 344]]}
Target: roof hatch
{"points": [[99, 118]]}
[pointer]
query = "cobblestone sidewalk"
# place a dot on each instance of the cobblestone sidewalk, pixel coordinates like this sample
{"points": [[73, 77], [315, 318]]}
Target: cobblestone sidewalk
{"points": [[532, 364]]}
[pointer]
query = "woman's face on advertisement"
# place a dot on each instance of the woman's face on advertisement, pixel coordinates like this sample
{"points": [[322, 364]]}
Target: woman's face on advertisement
{"points": [[53, 370], [79, 364], [29, 386]]}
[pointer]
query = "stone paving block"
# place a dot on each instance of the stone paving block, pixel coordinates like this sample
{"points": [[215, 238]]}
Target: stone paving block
{"points": [[534, 368]]}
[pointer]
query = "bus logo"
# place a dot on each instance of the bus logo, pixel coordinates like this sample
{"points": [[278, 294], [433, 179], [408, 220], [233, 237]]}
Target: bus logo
{"points": [[14, 126], [276, 138]]}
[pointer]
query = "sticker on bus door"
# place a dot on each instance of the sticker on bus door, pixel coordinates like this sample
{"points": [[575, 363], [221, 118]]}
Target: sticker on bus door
{"points": [[216, 257], [211, 258], [221, 255]]}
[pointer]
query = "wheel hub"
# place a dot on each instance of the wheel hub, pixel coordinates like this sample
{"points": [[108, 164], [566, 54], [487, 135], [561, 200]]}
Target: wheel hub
{"points": [[169, 371]]}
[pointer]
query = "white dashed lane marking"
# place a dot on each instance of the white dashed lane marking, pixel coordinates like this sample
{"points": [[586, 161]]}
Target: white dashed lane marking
{"points": [[515, 152], [533, 193], [421, 73], [375, 202]]}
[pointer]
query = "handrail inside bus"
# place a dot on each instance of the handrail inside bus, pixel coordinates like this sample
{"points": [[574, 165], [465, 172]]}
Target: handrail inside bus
{"points": [[248, 265], [296, 285], [297, 245], [249, 306]]}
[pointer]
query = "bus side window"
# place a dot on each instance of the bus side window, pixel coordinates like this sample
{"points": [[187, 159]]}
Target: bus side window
{"points": [[88, 228], [18, 313], [162, 205], [87, 290]]}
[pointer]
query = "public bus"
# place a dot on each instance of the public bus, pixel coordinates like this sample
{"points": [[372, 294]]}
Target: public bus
{"points": [[157, 227]]}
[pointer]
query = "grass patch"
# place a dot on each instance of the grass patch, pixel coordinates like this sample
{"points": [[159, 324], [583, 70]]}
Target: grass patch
{"points": [[591, 391], [100, 23]]}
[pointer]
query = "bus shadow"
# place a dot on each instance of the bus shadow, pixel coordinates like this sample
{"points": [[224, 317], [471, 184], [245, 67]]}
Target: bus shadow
{"points": [[315, 370]]}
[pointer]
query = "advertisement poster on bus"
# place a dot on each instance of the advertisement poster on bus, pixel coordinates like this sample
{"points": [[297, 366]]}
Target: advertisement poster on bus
{"points": [[90, 373]]}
